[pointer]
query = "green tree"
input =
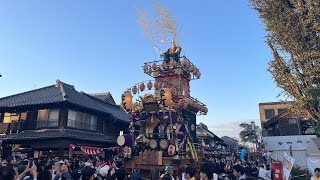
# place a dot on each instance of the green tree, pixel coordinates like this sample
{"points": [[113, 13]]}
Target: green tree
{"points": [[293, 28], [247, 134]]}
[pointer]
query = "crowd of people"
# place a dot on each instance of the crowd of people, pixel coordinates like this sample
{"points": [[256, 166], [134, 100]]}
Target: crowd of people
{"points": [[217, 165], [228, 165], [88, 168]]}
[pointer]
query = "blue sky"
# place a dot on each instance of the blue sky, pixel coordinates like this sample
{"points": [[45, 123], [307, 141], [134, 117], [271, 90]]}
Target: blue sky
{"points": [[98, 46]]}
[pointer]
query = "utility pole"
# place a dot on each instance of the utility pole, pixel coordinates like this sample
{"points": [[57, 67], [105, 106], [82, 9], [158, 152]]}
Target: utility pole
{"points": [[253, 129]]}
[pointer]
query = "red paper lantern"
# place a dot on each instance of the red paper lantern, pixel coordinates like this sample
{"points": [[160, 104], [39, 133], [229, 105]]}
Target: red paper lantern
{"points": [[195, 70], [149, 85], [142, 86], [191, 68], [185, 62], [134, 89], [154, 66], [145, 68], [156, 85], [173, 63], [164, 65], [205, 110]]}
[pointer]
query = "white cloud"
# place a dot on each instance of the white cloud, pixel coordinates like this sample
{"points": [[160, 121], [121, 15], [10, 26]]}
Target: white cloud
{"points": [[230, 129]]}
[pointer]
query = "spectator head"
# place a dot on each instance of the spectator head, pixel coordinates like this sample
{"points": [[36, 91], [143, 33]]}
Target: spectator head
{"points": [[168, 170], [182, 169], [9, 173], [121, 174], [87, 173], [206, 171], [190, 171], [45, 175], [11, 160], [317, 172], [238, 170], [155, 174], [104, 171]]}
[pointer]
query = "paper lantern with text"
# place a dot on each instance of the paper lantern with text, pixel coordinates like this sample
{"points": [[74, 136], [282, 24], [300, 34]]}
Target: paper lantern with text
{"points": [[134, 89], [166, 96], [127, 100], [156, 85], [142, 87], [149, 85]]}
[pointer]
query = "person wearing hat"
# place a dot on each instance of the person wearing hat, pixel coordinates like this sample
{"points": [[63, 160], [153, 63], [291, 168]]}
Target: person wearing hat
{"points": [[103, 172], [87, 173], [168, 171]]}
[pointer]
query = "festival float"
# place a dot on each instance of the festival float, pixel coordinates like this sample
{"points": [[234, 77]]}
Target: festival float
{"points": [[163, 114]]}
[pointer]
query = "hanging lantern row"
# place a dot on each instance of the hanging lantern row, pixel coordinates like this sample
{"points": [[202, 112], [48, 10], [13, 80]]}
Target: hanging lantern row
{"points": [[165, 96], [186, 102], [190, 67], [171, 65], [142, 87]]}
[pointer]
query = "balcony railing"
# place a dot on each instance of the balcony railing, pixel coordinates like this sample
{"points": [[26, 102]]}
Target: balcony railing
{"points": [[48, 123], [82, 125]]}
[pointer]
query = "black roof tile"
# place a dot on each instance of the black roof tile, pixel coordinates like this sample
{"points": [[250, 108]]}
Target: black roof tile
{"points": [[59, 133]]}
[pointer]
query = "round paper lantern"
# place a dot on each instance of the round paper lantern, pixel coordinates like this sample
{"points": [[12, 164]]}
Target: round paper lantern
{"points": [[191, 68], [164, 65], [166, 96], [127, 100], [156, 85], [195, 70], [202, 108], [171, 150], [149, 85], [173, 63], [134, 89], [154, 66], [142, 86], [198, 74], [185, 62], [205, 110], [145, 68]]}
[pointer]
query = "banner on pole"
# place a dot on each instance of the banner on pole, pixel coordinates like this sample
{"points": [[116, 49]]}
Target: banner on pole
{"points": [[288, 163]]}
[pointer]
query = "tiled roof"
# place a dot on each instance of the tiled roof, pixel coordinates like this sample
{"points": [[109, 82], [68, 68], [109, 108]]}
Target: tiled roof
{"points": [[59, 133], [106, 97], [204, 129], [62, 92]]}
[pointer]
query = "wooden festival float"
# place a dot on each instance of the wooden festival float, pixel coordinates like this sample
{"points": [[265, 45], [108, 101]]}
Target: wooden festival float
{"points": [[163, 123]]}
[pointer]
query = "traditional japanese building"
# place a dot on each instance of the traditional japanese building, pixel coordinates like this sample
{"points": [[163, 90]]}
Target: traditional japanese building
{"points": [[45, 121], [277, 120], [208, 139]]}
